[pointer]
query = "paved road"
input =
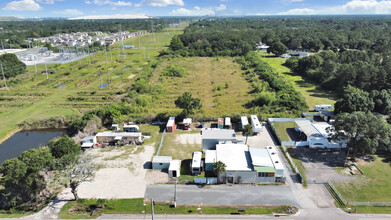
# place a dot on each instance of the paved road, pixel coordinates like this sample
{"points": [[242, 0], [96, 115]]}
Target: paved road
{"points": [[223, 194], [326, 214]]}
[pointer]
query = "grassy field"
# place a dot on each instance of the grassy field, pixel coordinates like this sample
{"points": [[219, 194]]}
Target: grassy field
{"points": [[206, 79], [281, 129], [75, 210], [36, 98], [5, 215], [312, 93], [373, 186], [176, 149]]}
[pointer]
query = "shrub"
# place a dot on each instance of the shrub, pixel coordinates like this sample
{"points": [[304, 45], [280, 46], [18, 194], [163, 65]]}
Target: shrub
{"points": [[174, 71]]}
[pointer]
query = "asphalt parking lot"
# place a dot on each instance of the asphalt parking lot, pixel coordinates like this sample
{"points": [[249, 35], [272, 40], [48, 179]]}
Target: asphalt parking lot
{"points": [[321, 164], [223, 194]]}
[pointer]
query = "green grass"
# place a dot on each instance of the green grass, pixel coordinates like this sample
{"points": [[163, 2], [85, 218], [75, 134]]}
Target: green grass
{"points": [[313, 94], [373, 186], [370, 209], [299, 165], [174, 148], [36, 98], [203, 75], [135, 206], [281, 129], [13, 215]]}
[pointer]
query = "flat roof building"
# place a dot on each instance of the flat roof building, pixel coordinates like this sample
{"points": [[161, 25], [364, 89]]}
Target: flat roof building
{"points": [[161, 162], [212, 137]]}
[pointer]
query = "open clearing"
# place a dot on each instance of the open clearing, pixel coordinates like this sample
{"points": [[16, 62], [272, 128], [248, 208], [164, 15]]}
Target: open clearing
{"points": [[206, 79], [373, 186], [313, 94], [181, 146], [282, 129]]}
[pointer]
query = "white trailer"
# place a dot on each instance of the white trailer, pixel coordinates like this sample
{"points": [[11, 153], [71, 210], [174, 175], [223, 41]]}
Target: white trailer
{"points": [[227, 123], [323, 108], [244, 121], [196, 163], [257, 127]]}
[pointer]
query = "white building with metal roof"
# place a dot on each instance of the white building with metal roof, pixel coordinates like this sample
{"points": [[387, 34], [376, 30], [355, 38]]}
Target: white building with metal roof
{"points": [[174, 169], [240, 167], [257, 126], [212, 137], [210, 160]]}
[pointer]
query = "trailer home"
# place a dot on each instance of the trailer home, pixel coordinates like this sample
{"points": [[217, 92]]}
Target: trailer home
{"points": [[257, 127], [227, 123], [323, 108], [196, 165], [244, 121]]}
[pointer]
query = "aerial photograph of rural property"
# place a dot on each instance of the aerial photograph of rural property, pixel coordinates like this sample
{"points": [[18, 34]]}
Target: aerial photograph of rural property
{"points": [[190, 109]]}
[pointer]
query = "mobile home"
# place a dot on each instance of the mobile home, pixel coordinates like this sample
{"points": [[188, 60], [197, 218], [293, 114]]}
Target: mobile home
{"points": [[227, 123], [196, 163], [257, 127], [131, 128], [323, 107], [244, 121]]}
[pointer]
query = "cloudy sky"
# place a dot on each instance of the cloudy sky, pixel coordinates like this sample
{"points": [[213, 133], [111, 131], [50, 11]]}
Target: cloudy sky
{"points": [[72, 8]]}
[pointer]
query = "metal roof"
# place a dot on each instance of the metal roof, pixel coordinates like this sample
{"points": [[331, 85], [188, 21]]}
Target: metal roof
{"points": [[235, 156], [275, 158], [175, 165], [187, 121], [161, 159], [196, 162], [88, 138], [218, 134], [307, 128], [264, 169], [210, 156], [260, 157], [115, 134]]}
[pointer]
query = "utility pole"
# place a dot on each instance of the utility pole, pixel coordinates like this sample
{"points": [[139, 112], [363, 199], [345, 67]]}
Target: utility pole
{"points": [[111, 55], [47, 75], [107, 67], [5, 81], [153, 212]]}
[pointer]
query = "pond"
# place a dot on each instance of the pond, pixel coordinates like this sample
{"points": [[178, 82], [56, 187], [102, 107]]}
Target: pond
{"points": [[26, 140]]}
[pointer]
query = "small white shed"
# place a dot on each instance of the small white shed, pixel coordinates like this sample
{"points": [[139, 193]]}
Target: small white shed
{"points": [[161, 162], [174, 169], [323, 107]]}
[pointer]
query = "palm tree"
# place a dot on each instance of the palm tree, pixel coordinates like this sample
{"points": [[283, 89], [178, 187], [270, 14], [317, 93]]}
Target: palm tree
{"points": [[219, 168], [248, 131]]}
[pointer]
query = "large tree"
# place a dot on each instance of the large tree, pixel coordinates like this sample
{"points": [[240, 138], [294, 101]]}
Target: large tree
{"points": [[188, 103], [219, 168], [354, 99], [277, 48], [364, 132]]}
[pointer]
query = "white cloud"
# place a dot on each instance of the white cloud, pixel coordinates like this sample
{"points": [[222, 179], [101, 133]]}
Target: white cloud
{"points": [[22, 5], [196, 11], [298, 11], [352, 7], [221, 7], [69, 12], [50, 2], [108, 2], [137, 5], [163, 3], [291, 1]]}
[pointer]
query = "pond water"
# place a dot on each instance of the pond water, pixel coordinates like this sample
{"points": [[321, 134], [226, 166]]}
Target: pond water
{"points": [[26, 140]]}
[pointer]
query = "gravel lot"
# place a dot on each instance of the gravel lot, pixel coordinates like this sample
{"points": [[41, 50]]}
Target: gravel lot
{"points": [[123, 175]]}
